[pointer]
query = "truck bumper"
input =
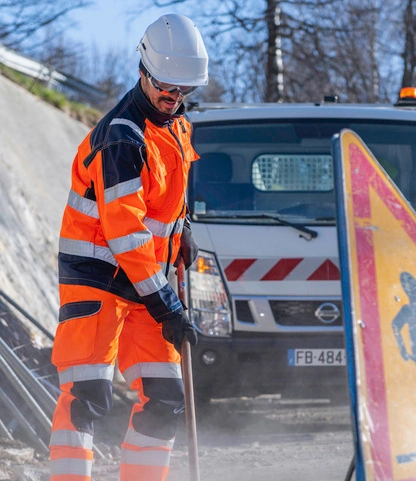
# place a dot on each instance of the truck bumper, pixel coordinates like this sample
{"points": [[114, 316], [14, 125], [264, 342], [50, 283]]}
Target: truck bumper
{"points": [[259, 365]]}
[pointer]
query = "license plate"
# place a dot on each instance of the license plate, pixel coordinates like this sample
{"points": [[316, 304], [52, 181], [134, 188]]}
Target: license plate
{"points": [[316, 357]]}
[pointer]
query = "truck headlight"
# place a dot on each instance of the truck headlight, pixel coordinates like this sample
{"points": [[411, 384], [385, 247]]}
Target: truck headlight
{"points": [[209, 307]]}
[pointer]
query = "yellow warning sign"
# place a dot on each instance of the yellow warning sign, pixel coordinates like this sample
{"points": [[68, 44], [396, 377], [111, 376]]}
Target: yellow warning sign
{"points": [[377, 232]]}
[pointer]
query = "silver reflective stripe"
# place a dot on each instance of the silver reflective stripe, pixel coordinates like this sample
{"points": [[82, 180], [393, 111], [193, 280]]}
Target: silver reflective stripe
{"points": [[167, 370], [163, 265], [146, 458], [151, 285], [71, 466], [86, 249], [75, 439], [129, 242], [87, 372], [160, 229], [131, 124], [83, 205], [142, 441], [123, 188], [179, 225]]}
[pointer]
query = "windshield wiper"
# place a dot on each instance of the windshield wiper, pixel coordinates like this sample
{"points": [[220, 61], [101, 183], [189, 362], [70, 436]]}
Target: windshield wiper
{"points": [[310, 234]]}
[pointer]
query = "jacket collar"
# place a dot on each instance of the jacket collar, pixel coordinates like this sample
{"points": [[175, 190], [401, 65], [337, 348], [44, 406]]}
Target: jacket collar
{"points": [[158, 118]]}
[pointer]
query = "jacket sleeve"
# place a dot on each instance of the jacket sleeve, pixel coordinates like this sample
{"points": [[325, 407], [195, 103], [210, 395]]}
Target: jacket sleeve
{"points": [[122, 210]]}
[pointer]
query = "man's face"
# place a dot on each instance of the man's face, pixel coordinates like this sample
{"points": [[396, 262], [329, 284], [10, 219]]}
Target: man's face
{"points": [[165, 102]]}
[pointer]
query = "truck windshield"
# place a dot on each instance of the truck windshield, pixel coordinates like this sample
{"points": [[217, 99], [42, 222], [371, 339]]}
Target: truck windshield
{"points": [[285, 168]]}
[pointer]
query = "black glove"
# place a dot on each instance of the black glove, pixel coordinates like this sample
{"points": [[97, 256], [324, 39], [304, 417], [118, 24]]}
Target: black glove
{"points": [[188, 250], [174, 329]]}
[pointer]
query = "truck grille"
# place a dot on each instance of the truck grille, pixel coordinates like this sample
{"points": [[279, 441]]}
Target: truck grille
{"points": [[307, 313], [243, 312]]}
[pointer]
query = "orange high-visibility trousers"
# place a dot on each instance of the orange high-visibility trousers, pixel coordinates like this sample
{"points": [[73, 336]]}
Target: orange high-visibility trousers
{"points": [[95, 329]]}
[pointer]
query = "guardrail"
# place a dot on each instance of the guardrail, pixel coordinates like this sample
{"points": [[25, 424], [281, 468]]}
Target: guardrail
{"points": [[52, 77]]}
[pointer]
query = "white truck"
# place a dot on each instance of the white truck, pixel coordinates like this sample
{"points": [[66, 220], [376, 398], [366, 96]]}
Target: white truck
{"points": [[265, 291]]}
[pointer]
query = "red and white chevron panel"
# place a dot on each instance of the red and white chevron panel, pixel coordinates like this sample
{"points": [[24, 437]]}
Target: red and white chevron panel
{"points": [[283, 269]]}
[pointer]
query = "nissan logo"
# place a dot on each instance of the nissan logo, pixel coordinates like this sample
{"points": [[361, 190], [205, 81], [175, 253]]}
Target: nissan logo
{"points": [[327, 312]]}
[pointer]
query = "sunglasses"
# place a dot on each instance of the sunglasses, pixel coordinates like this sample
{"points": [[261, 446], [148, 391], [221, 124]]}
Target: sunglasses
{"points": [[168, 88]]}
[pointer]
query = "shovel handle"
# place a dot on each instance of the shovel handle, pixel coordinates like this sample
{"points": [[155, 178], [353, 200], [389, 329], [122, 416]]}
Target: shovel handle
{"points": [[188, 386]]}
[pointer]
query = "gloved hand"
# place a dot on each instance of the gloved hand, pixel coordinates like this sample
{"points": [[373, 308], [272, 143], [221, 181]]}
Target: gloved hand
{"points": [[174, 329], [188, 250]]}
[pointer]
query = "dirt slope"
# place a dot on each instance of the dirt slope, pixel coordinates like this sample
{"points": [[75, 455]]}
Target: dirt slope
{"points": [[37, 145]]}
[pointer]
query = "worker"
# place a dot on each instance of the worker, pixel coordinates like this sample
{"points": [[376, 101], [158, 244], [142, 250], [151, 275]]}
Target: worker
{"points": [[124, 228]]}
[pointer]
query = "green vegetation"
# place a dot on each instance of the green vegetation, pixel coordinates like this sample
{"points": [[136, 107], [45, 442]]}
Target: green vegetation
{"points": [[81, 112]]}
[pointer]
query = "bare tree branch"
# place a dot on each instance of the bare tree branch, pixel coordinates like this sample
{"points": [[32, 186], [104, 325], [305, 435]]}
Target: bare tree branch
{"points": [[23, 19]]}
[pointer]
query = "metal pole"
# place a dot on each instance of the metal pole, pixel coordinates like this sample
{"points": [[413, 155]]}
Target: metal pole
{"points": [[4, 432], [188, 387], [32, 383], [351, 469], [25, 394], [15, 411], [26, 314]]}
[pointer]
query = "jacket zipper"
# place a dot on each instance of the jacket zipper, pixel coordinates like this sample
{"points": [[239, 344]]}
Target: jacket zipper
{"points": [[171, 242], [177, 139], [177, 219]]}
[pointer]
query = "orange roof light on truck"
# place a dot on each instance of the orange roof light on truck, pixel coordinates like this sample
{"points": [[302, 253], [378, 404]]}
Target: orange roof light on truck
{"points": [[407, 97], [408, 93]]}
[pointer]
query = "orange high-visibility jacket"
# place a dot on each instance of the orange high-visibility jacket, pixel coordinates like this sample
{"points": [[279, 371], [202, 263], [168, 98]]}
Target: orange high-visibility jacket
{"points": [[126, 208]]}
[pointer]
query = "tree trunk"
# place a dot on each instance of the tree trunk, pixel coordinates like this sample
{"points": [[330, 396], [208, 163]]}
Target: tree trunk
{"points": [[409, 59], [274, 62], [375, 77]]}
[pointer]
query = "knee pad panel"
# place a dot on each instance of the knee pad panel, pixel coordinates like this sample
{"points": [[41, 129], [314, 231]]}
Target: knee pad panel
{"points": [[93, 400], [159, 417]]}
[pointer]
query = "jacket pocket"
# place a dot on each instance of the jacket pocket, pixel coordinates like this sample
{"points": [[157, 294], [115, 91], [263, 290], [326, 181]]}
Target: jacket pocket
{"points": [[76, 333]]}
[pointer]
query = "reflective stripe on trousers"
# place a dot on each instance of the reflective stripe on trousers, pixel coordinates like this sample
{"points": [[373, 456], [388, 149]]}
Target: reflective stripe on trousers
{"points": [[144, 457], [70, 450]]}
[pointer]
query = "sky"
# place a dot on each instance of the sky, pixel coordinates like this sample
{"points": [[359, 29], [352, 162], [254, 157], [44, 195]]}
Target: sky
{"points": [[106, 24]]}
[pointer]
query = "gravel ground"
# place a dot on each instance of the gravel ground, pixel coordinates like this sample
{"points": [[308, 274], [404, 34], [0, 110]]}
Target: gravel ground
{"points": [[258, 439]]}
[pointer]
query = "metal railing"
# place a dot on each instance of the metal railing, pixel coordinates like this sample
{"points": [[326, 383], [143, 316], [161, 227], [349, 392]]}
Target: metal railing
{"points": [[52, 77]]}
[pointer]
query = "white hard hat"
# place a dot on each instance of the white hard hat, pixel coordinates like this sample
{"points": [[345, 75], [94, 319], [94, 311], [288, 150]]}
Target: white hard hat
{"points": [[173, 51]]}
